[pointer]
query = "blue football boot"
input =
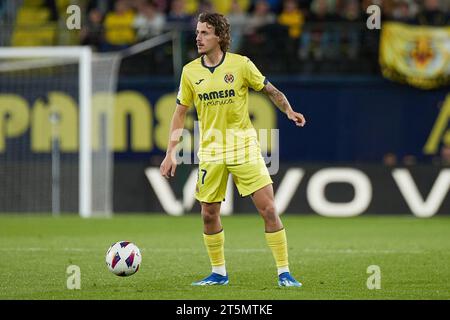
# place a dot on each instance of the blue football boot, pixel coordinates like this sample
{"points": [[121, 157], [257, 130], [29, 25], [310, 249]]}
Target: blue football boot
{"points": [[286, 280], [212, 279]]}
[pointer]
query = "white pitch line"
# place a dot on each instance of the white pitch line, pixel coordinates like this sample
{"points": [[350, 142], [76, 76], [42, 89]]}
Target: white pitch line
{"points": [[143, 249], [244, 250], [364, 251]]}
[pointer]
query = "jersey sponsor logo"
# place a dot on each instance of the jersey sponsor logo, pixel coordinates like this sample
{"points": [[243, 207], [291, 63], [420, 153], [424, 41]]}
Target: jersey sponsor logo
{"points": [[229, 78], [213, 95]]}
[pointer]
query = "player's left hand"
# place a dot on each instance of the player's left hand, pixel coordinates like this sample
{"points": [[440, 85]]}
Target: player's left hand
{"points": [[298, 118]]}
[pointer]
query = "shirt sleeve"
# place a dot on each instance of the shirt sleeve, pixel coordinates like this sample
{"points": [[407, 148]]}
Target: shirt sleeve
{"points": [[185, 94], [253, 77]]}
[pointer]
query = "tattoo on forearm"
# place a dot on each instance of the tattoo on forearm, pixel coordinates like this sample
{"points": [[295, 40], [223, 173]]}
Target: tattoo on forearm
{"points": [[279, 99]]}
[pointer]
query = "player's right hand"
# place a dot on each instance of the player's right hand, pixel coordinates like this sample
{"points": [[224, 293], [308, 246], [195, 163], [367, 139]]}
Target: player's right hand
{"points": [[297, 117], [168, 166]]}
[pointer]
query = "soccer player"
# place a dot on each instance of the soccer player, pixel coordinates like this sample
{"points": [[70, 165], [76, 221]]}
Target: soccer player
{"points": [[217, 85]]}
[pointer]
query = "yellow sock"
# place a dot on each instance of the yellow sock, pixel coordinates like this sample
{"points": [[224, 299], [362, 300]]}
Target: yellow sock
{"points": [[215, 246], [278, 244]]}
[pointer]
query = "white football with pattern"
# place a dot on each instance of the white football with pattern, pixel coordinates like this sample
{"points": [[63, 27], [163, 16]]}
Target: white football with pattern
{"points": [[123, 258]]}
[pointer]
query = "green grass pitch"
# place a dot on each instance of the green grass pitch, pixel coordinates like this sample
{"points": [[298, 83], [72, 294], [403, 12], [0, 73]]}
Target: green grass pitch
{"points": [[330, 256]]}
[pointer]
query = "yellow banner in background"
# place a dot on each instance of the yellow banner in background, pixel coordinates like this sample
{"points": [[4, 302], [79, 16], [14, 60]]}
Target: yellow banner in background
{"points": [[417, 55]]}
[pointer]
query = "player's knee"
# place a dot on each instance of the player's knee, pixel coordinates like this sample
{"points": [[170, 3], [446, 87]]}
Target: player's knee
{"points": [[209, 218], [210, 214], [269, 213]]}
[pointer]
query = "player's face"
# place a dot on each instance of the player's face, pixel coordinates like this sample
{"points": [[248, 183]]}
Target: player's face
{"points": [[206, 39]]}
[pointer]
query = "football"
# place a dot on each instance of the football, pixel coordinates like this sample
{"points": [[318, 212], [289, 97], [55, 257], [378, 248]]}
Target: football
{"points": [[123, 258]]}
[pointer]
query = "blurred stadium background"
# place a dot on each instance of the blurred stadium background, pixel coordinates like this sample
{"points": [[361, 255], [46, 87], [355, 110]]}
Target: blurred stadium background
{"points": [[377, 103], [378, 114]]}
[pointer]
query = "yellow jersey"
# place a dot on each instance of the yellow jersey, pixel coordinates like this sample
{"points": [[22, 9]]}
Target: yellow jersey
{"points": [[293, 20], [220, 96], [119, 28]]}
